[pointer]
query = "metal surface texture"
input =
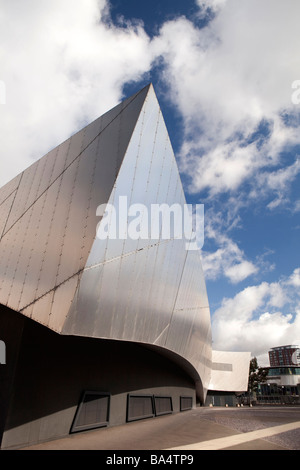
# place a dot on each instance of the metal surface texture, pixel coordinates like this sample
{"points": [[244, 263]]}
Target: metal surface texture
{"points": [[230, 371], [55, 270]]}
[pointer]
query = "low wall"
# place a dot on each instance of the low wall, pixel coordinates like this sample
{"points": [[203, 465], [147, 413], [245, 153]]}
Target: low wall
{"points": [[53, 372]]}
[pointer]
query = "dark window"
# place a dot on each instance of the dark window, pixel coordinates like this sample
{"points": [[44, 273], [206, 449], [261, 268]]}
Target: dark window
{"points": [[163, 405], [92, 412], [186, 403], [139, 407]]}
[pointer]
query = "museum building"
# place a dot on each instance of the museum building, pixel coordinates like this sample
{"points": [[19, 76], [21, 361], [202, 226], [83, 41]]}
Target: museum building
{"points": [[98, 331]]}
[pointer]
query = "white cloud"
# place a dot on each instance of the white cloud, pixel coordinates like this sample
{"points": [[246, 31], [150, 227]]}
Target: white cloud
{"points": [[278, 180], [227, 79], [63, 65], [228, 259], [297, 206], [221, 169], [251, 320], [211, 4], [294, 279], [239, 272]]}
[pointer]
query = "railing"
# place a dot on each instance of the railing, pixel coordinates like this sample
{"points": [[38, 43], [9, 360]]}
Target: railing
{"points": [[277, 400]]}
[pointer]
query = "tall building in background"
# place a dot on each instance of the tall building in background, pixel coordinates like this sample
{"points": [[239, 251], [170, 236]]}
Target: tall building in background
{"points": [[282, 385], [101, 331], [284, 356]]}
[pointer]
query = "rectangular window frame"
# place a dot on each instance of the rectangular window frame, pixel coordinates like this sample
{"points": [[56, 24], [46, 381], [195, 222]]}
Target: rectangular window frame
{"points": [[182, 408], [138, 418], [161, 413], [78, 428]]}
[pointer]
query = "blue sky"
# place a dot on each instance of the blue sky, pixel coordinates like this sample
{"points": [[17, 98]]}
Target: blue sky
{"points": [[225, 74]]}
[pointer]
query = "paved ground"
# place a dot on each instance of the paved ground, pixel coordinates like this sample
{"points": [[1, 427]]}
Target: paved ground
{"points": [[257, 428]]}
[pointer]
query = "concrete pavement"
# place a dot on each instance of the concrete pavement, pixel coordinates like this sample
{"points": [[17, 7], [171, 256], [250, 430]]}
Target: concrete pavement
{"points": [[257, 428]]}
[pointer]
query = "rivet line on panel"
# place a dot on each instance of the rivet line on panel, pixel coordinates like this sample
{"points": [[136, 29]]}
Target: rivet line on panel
{"points": [[18, 258], [29, 259], [5, 199], [77, 285], [161, 172], [135, 168], [22, 201], [29, 224], [147, 248], [51, 222], [66, 225], [9, 254], [68, 165], [89, 201], [118, 146], [36, 235], [53, 289], [189, 308], [145, 264], [131, 292], [160, 241], [124, 255], [50, 225], [116, 290], [44, 162], [13, 202], [28, 174], [37, 226], [177, 293], [5, 194]]}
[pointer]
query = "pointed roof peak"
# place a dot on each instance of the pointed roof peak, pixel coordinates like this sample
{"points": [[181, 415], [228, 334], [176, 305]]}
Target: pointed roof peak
{"points": [[142, 91]]}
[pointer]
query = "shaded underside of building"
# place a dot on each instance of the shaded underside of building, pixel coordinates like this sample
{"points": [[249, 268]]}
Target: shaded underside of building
{"points": [[55, 385], [98, 331]]}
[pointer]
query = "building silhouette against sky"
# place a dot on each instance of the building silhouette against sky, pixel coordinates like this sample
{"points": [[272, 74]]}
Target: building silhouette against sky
{"points": [[99, 332]]}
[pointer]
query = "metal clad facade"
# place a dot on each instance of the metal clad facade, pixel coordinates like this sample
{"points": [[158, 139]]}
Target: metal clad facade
{"points": [[55, 269], [230, 371], [50, 225]]}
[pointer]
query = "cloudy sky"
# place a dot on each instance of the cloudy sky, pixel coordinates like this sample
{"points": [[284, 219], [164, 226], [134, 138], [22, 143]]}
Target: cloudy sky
{"points": [[227, 76]]}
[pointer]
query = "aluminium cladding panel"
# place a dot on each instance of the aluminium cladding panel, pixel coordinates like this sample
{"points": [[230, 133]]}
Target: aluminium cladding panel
{"points": [[129, 298], [233, 378], [26, 238], [138, 182], [192, 293], [135, 281], [148, 175], [129, 287], [7, 196], [5, 209], [36, 180], [50, 229], [206, 359], [190, 329], [9, 188], [38, 247], [40, 175]]}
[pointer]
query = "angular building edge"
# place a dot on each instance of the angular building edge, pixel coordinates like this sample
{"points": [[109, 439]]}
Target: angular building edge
{"points": [[230, 371], [110, 299]]}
